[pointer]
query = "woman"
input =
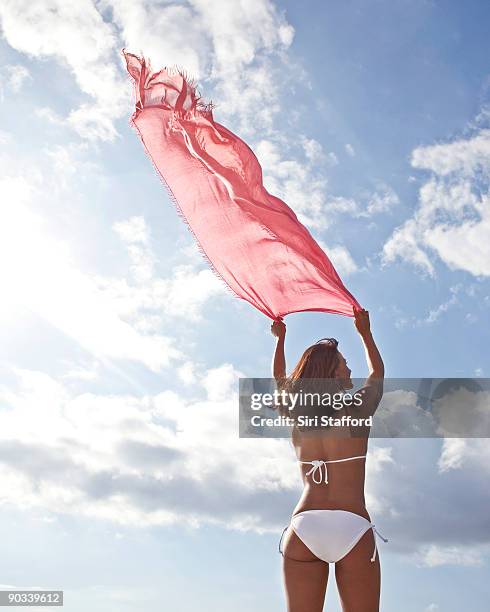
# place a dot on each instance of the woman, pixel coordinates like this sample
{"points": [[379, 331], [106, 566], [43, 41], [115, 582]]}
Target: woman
{"points": [[330, 523]]}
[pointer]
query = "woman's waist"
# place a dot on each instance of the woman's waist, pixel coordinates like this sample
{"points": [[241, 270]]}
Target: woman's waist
{"points": [[332, 500]]}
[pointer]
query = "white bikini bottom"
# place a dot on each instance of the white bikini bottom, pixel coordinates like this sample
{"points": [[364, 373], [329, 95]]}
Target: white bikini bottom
{"points": [[331, 534]]}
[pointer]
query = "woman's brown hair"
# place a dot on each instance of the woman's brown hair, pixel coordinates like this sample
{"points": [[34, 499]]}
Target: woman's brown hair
{"points": [[314, 373]]}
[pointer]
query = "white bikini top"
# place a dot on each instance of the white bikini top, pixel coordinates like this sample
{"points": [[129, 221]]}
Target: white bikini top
{"points": [[317, 464]]}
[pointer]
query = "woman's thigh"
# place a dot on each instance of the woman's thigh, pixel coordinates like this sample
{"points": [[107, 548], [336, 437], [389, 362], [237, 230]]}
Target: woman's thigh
{"points": [[359, 579], [305, 576]]}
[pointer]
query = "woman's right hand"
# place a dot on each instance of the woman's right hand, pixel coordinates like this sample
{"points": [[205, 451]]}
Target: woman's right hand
{"points": [[361, 321], [278, 328]]}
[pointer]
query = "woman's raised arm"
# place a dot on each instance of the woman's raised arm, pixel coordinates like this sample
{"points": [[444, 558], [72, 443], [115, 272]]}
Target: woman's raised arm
{"points": [[373, 357], [278, 329]]}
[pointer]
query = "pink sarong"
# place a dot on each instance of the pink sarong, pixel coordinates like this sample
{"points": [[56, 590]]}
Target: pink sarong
{"points": [[252, 239]]}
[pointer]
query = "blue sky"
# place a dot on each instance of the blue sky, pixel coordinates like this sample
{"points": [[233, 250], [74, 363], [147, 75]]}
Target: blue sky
{"points": [[124, 482]]}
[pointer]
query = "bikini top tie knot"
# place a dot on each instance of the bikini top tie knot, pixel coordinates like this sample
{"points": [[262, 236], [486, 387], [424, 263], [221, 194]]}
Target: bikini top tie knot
{"points": [[316, 471], [318, 464]]}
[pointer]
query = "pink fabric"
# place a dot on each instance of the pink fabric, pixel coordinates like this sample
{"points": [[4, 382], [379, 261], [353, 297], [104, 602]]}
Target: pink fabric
{"points": [[251, 238]]}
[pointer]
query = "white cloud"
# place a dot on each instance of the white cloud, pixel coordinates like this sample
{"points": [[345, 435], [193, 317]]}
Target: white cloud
{"points": [[241, 51], [342, 205], [76, 35], [219, 382], [453, 217], [454, 300], [452, 454], [69, 163], [136, 235], [146, 304], [341, 258], [249, 42], [242, 31], [404, 244], [187, 373], [304, 186], [71, 31], [300, 184], [314, 150], [467, 454], [464, 247], [380, 201], [12, 78], [350, 150], [436, 556], [436, 313], [145, 460], [370, 203], [167, 35], [464, 156], [133, 230]]}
